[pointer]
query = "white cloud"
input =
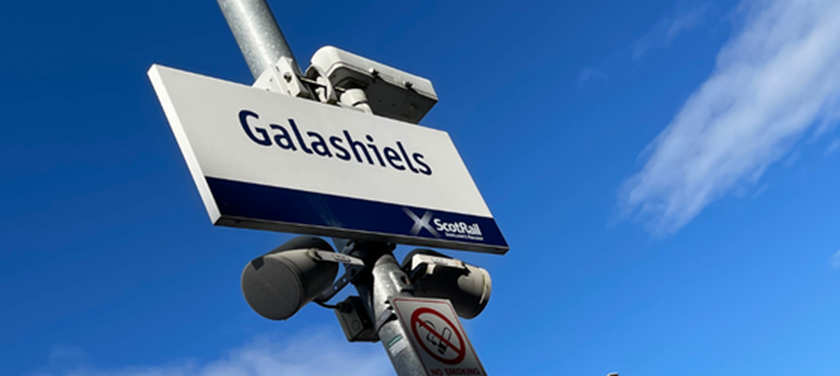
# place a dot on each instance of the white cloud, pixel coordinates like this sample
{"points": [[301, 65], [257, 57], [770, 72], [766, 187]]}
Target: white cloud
{"points": [[669, 28], [316, 354], [777, 77], [835, 260]]}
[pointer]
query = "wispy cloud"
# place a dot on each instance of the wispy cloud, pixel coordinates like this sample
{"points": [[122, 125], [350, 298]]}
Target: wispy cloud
{"points": [[66, 356], [832, 147], [589, 74], [317, 354], [835, 260], [791, 159], [666, 30], [777, 77]]}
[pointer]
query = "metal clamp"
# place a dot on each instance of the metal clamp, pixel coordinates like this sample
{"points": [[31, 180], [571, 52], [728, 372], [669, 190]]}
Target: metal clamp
{"points": [[282, 78], [335, 257], [383, 319], [432, 261]]}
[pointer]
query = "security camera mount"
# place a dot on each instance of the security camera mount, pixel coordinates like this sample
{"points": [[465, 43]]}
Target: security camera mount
{"points": [[385, 291]]}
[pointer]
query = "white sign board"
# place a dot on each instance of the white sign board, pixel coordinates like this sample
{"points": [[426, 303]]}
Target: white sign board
{"points": [[269, 161], [437, 335]]}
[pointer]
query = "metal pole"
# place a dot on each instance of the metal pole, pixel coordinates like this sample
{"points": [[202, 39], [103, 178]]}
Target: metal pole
{"points": [[262, 43], [385, 280], [257, 34]]}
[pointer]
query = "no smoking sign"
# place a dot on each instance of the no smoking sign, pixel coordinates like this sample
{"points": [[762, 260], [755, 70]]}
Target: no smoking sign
{"points": [[438, 336]]}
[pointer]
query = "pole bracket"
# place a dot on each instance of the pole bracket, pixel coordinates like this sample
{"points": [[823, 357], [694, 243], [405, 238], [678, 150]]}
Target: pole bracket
{"points": [[281, 78], [335, 257]]}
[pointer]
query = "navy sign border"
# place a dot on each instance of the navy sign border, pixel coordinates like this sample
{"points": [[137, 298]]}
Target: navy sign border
{"points": [[255, 206]]}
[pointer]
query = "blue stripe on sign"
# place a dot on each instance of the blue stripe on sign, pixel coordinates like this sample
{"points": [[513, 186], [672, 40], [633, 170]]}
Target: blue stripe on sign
{"points": [[273, 204]]}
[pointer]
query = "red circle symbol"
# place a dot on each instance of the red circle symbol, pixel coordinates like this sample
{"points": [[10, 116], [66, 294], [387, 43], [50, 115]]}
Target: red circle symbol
{"points": [[442, 342]]}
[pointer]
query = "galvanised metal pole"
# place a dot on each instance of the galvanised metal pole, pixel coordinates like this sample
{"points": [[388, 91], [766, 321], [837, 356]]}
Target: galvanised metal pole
{"points": [[262, 44], [383, 281], [257, 34]]}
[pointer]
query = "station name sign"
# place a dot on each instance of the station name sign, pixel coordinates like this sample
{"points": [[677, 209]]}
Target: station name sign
{"points": [[268, 161], [338, 147]]}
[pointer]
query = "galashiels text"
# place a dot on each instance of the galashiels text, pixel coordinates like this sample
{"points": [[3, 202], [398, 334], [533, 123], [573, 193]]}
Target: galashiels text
{"points": [[343, 147]]}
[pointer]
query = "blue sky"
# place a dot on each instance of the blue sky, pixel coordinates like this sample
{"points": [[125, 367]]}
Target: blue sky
{"points": [[665, 173]]}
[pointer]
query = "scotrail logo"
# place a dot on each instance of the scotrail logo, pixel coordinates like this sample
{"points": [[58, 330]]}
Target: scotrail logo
{"points": [[436, 226], [421, 223]]}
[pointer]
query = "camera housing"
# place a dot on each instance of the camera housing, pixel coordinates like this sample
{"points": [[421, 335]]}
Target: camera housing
{"points": [[389, 92], [435, 275], [278, 284]]}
